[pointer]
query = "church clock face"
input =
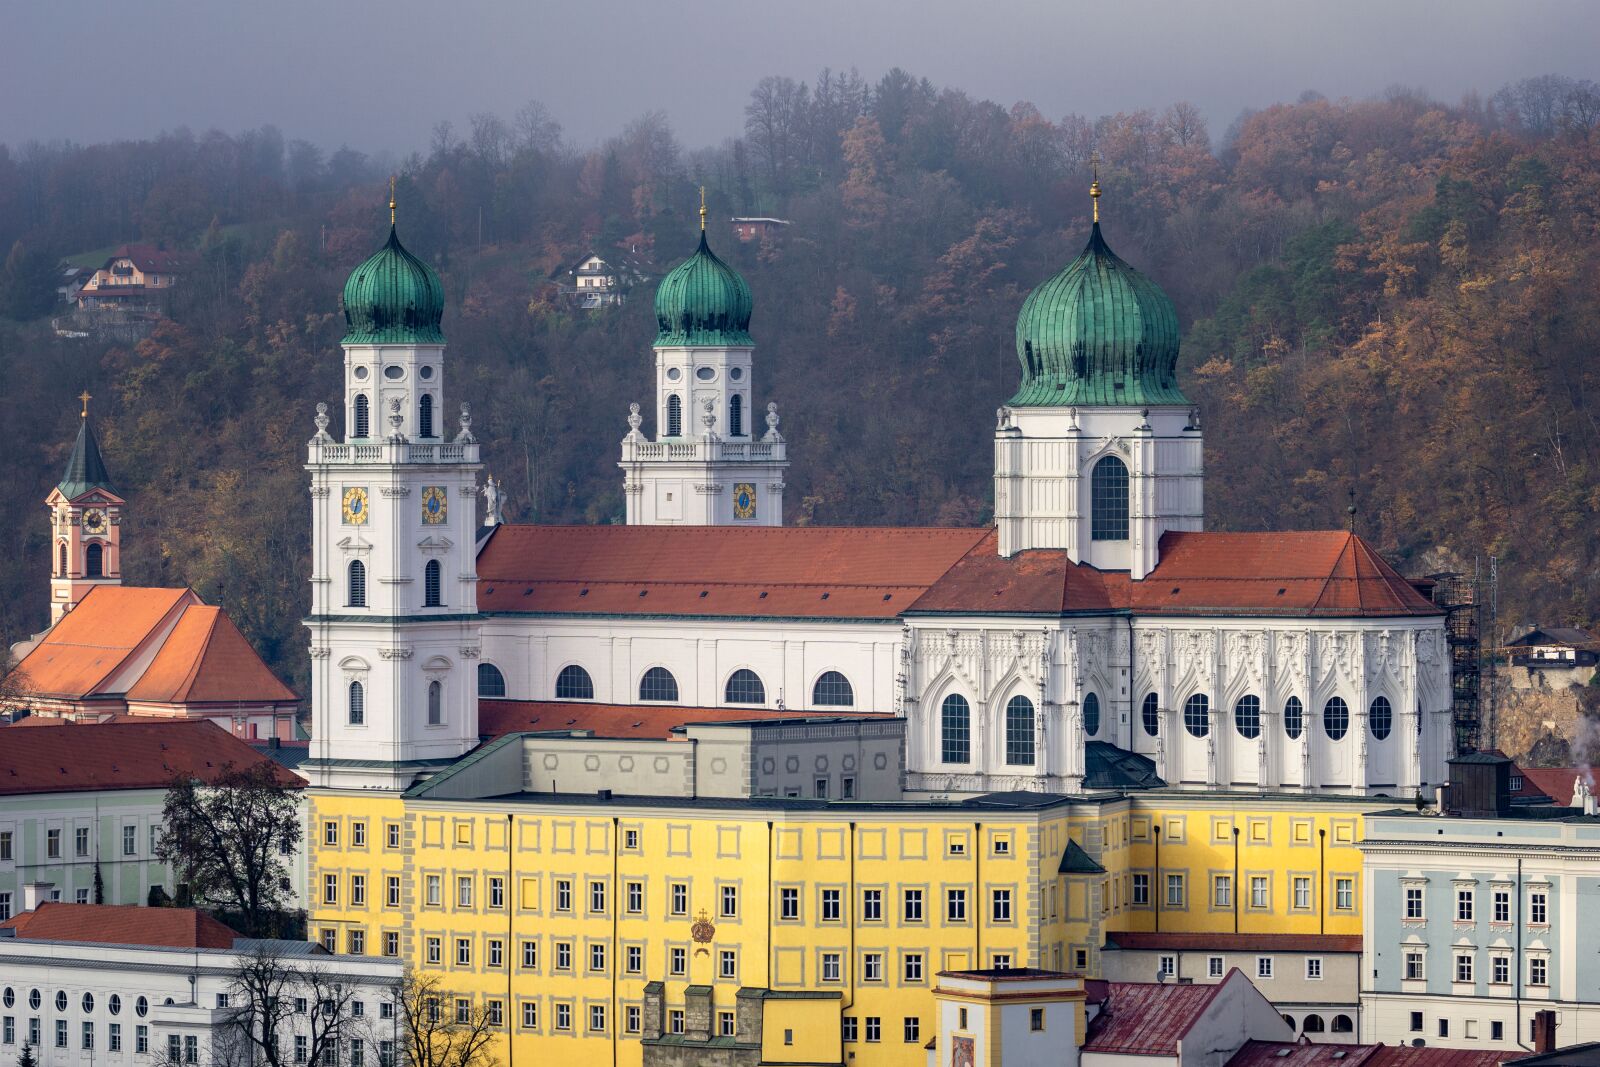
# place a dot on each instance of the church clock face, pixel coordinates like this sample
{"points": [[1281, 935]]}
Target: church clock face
{"points": [[94, 521], [435, 505], [355, 506], [744, 501]]}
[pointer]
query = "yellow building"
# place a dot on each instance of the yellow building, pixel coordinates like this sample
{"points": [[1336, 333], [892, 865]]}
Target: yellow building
{"points": [[631, 929]]}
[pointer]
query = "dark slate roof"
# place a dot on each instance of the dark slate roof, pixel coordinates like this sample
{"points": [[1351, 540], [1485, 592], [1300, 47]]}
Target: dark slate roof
{"points": [[1108, 767], [85, 469], [1555, 635], [1076, 861], [1479, 757]]}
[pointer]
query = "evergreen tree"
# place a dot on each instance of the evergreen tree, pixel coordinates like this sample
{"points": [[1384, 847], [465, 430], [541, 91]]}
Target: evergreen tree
{"points": [[27, 1058]]}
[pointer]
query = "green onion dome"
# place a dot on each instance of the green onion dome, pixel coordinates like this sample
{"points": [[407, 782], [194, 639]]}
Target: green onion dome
{"points": [[703, 301], [1098, 333], [393, 299]]}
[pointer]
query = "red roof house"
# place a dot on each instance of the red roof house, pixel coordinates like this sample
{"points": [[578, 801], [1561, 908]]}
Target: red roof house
{"points": [[121, 924]]}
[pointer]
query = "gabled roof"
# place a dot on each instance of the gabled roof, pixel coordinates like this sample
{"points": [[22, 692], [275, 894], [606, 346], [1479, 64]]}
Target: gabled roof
{"points": [[1220, 941], [150, 258], [86, 469], [122, 924], [1307, 1054], [1076, 861], [1570, 636], [122, 755], [96, 638], [655, 721], [762, 572], [207, 660], [1106, 766], [1147, 1018]]}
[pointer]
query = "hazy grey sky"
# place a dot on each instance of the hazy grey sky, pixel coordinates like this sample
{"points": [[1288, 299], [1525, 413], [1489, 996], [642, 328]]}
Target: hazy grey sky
{"points": [[378, 75]]}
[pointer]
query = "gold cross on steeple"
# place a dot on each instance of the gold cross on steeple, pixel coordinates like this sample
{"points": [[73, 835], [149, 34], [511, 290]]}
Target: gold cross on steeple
{"points": [[391, 200], [1094, 186], [85, 397], [702, 209]]}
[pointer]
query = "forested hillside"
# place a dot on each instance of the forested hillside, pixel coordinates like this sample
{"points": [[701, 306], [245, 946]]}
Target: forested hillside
{"points": [[1395, 296]]}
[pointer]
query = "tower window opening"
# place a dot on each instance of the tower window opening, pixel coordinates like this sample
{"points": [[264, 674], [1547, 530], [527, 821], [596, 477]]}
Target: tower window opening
{"points": [[955, 729], [357, 584], [1019, 732], [491, 683], [430, 585], [61, 562], [425, 415], [674, 415], [1091, 714], [736, 416], [94, 560], [574, 683], [357, 704], [1108, 500], [435, 703], [363, 416]]}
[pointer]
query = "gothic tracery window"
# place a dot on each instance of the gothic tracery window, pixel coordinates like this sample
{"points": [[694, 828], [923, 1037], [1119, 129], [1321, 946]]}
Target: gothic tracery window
{"points": [[1091, 714], [1381, 716], [1197, 715], [1108, 500], [1294, 714], [1151, 714], [1019, 732], [1247, 717], [955, 729], [1336, 718]]}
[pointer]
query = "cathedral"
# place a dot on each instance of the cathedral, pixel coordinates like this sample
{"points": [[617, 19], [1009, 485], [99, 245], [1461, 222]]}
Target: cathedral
{"points": [[1095, 625]]}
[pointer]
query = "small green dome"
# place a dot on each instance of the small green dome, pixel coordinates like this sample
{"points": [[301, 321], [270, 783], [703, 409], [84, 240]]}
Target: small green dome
{"points": [[703, 301], [393, 299], [1100, 333]]}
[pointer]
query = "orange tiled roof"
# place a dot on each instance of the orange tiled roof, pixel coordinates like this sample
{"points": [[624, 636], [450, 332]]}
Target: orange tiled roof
{"points": [[794, 572], [122, 924], [655, 721], [122, 755], [96, 638], [1554, 782], [207, 660]]}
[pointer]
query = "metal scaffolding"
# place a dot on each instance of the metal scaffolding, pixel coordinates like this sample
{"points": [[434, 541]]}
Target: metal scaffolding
{"points": [[1470, 603]]}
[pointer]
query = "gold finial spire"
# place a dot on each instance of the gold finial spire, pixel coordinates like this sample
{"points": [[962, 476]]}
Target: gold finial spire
{"points": [[85, 397], [1094, 186], [391, 200], [702, 209]]}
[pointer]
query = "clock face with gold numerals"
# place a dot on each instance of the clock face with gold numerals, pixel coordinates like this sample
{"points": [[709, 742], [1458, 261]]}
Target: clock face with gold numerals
{"points": [[94, 521], [434, 505], [744, 501], [355, 506]]}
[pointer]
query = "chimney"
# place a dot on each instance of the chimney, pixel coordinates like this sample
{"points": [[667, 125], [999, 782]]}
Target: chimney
{"points": [[1544, 1031], [35, 893]]}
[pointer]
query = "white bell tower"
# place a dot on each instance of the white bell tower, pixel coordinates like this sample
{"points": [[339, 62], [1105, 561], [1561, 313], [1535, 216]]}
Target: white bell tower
{"points": [[395, 635]]}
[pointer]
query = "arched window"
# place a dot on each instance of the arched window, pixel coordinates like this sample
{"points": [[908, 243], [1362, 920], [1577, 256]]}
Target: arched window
{"points": [[674, 416], [1151, 713], [425, 415], [1289, 1020], [357, 584], [357, 704], [94, 560], [1294, 718], [658, 684], [744, 687], [491, 683], [1197, 715], [61, 567], [1108, 500], [736, 416], [1247, 717], [832, 690], [1019, 731], [435, 703], [955, 729], [1312, 1025], [430, 585], [1381, 716], [574, 683], [1091, 714], [363, 416], [1335, 718], [1342, 1025]]}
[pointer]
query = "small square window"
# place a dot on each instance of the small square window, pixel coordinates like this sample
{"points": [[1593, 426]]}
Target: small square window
{"points": [[1036, 1019]]}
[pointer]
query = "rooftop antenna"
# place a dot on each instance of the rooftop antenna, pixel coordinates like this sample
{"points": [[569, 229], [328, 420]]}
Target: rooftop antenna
{"points": [[1351, 510], [1094, 186], [391, 200]]}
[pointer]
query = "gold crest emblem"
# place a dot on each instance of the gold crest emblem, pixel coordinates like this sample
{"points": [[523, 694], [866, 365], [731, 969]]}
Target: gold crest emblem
{"points": [[435, 505], [355, 506], [744, 501], [702, 931]]}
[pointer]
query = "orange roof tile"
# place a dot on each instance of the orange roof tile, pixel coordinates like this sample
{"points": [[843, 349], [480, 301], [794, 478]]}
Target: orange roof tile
{"points": [[794, 572], [656, 721], [94, 639], [122, 755], [122, 924], [207, 660], [1554, 782]]}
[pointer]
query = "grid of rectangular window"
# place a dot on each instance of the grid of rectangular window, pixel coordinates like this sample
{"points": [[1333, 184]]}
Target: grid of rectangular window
{"points": [[912, 967], [391, 943], [563, 955], [1214, 966], [831, 905], [1108, 500], [1502, 907], [632, 1019], [530, 954], [1222, 891], [871, 905], [830, 967], [1538, 971], [1538, 908], [1344, 894], [680, 898], [788, 904], [1000, 906], [677, 961], [1259, 892], [849, 1028], [675, 1021], [564, 1017], [597, 957], [1302, 893], [597, 898], [635, 892], [1141, 890], [725, 1024], [1413, 903], [1464, 903], [1174, 890], [530, 1015], [872, 967], [634, 957], [727, 964], [912, 1029], [1500, 970], [1313, 967], [874, 1028], [730, 902], [955, 905], [912, 905], [463, 952], [1414, 971], [1463, 967], [563, 895]]}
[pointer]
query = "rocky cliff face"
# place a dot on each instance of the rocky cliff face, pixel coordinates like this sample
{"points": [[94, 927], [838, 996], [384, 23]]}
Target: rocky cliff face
{"points": [[1546, 724]]}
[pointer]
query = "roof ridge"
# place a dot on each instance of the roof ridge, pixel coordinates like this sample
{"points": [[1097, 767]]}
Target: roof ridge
{"points": [[193, 674]]}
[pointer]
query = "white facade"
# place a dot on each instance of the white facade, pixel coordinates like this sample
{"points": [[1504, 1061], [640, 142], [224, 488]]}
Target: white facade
{"points": [[394, 623], [707, 465], [125, 1004], [1045, 460]]}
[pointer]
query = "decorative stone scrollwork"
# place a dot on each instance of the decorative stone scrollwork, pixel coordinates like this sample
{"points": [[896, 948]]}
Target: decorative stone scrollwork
{"points": [[320, 651], [392, 491], [395, 653], [469, 651], [321, 492], [708, 488]]}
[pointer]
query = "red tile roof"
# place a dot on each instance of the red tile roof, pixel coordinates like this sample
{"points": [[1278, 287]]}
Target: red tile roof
{"points": [[1553, 782], [122, 755], [150, 258], [122, 924], [206, 660], [1307, 1054], [96, 638], [499, 717], [1315, 573], [1147, 1018], [1227, 942], [1428, 1056], [796, 572]]}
